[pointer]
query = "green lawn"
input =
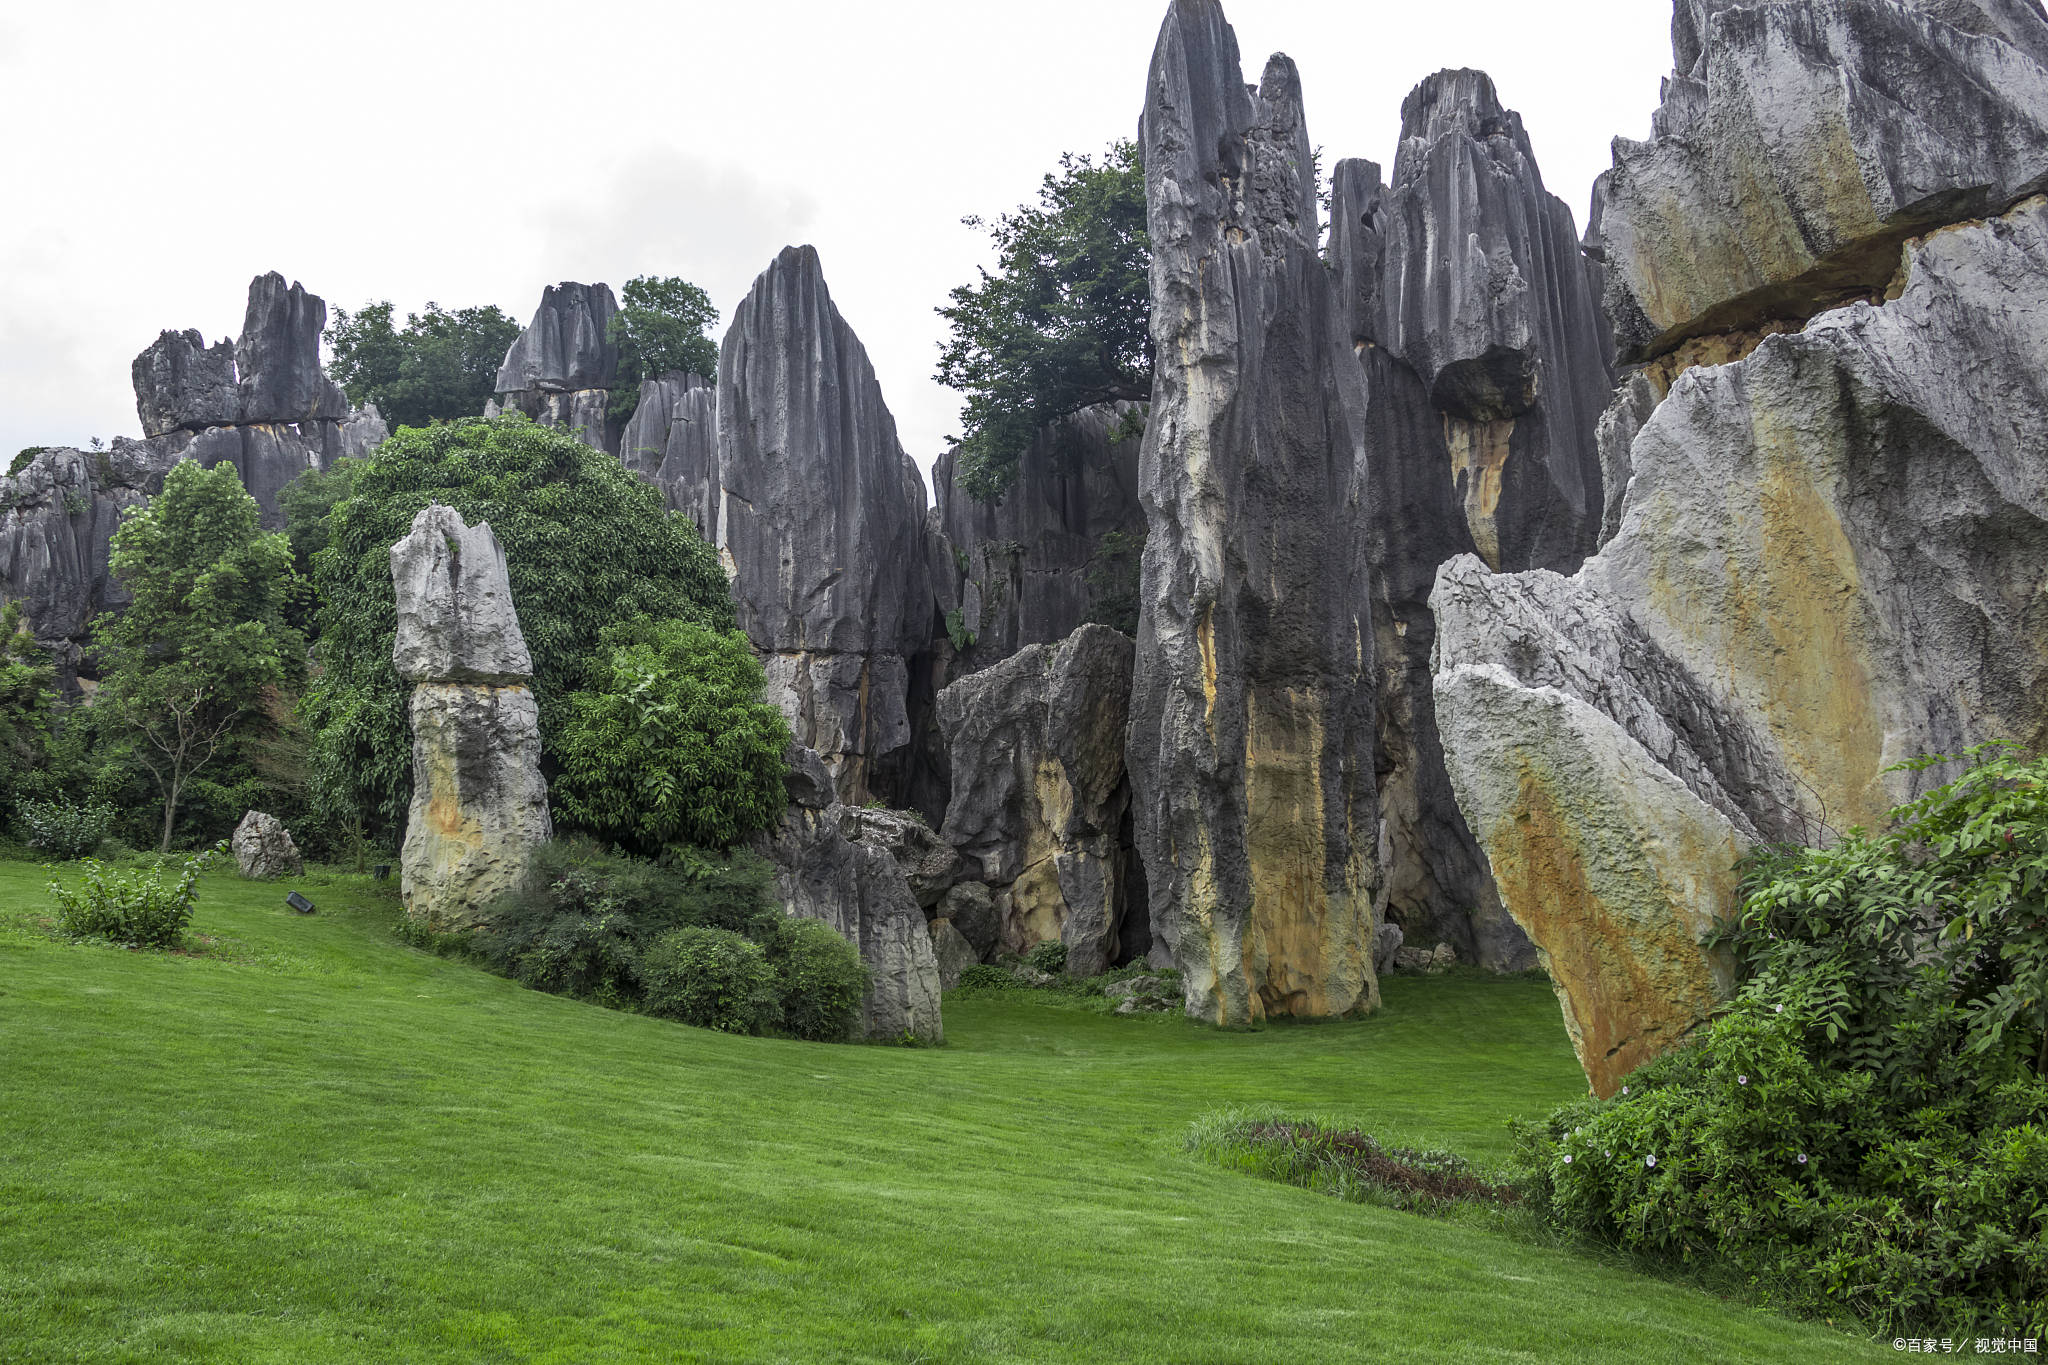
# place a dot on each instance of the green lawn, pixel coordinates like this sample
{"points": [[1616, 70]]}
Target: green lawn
{"points": [[321, 1146]]}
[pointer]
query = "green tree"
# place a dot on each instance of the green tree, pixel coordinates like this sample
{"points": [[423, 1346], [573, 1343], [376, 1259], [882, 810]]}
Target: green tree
{"points": [[205, 640], [1062, 324], [662, 325], [671, 743], [28, 707], [441, 366], [587, 545]]}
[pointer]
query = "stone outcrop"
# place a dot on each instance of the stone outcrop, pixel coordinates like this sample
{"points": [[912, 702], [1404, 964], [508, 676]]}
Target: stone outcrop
{"points": [[1832, 557], [1800, 142], [1059, 550], [1253, 713], [1041, 801], [58, 516], [1436, 884], [263, 848], [262, 404], [672, 442], [820, 520], [562, 369], [479, 803], [836, 864], [362, 431], [1483, 291]]}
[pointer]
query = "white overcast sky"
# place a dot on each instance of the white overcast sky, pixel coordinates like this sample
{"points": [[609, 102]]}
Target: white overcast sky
{"points": [[159, 155]]}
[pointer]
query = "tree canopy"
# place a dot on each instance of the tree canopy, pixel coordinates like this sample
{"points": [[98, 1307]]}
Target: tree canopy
{"points": [[441, 365], [206, 636], [672, 742], [662, 325], [588, 545], [1062, 324]]}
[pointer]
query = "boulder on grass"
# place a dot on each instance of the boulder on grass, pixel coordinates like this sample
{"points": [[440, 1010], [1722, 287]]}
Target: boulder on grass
{"points": [[264, 849]]}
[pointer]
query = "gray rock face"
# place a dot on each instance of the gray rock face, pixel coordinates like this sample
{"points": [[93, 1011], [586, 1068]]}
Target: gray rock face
{"points": [[953, 952], [1800, 142], [821, 523], [272, 375], [929, 864], [1832, 557], [561, 370], [180, 382], [277, 358], [1061, 549], [1484, 293], [362, 431], [479, 803], [1253, 711], [456, 620], [826, 871], [1436, 884], [57, 519], [263, 848], [1041, 801], [672, 442], [971, 909]]}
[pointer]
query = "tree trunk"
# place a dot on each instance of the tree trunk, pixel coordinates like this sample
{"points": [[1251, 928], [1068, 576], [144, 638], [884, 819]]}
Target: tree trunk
{"points": [[170, 814]]}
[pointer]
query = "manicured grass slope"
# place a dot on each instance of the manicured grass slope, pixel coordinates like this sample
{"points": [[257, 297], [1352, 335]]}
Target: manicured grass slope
{"points": [[325, 1147]]}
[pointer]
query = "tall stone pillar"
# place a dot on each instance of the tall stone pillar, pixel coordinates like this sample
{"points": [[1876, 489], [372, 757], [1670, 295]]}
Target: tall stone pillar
{"points": [[479, 803]]}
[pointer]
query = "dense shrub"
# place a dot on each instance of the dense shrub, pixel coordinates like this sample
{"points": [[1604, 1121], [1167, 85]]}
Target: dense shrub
{"points": [[819, 980], [671, 742], [711, 978], [1049, 957], [142, 909], [64, 829], [983, 976], [1866, 1130], [581, 926]]}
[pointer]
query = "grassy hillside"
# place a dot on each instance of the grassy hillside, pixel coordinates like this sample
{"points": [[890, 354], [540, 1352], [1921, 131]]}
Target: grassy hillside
{"points": [[316, 1145]]}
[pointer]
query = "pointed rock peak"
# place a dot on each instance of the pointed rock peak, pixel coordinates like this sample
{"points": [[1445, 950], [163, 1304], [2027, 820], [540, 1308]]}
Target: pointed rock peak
{"points": [[1461, 103], [278, 356], [1196, 104], [568, 346]]}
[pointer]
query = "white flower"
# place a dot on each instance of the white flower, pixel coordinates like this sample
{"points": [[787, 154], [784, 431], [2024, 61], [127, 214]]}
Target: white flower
{"points": [[1781, 1009], [1802, 1158], [1567, 1158], [1652, 1161], [1742, 1080], [1624, 1090], [1610, 1156]]}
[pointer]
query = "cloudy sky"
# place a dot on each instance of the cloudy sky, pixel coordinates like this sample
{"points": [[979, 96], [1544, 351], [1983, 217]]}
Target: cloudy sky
{"points": [[158, 155]]}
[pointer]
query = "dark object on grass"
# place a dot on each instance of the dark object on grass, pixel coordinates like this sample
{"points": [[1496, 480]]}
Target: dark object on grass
{"points": [[1350, 1163], [382, 872], [299, 903]]}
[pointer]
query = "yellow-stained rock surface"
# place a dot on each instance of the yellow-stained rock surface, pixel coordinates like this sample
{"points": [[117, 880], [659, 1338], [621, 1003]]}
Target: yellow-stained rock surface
{"points": [[479, 804]]}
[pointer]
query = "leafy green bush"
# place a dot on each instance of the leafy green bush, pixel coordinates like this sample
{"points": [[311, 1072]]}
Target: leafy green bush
{"points": [[64, 829], [1867, 1128], [672, 743], [582, 924], [1049, 957], [711, 978], [141, 909], [819, 980], [983, 976]]}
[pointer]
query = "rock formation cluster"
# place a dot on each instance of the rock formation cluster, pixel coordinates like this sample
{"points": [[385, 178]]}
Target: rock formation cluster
{"points": [[1493, 589], [1831, 552], [263, 404], [479, 803]]}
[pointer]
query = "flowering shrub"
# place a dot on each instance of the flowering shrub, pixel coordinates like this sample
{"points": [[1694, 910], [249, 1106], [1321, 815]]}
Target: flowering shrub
{"points": [[141, 909], [1866, 1129]]}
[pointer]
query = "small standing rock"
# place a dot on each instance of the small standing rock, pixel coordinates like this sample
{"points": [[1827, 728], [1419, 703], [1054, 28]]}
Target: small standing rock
{"points": [[264, 849]]}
